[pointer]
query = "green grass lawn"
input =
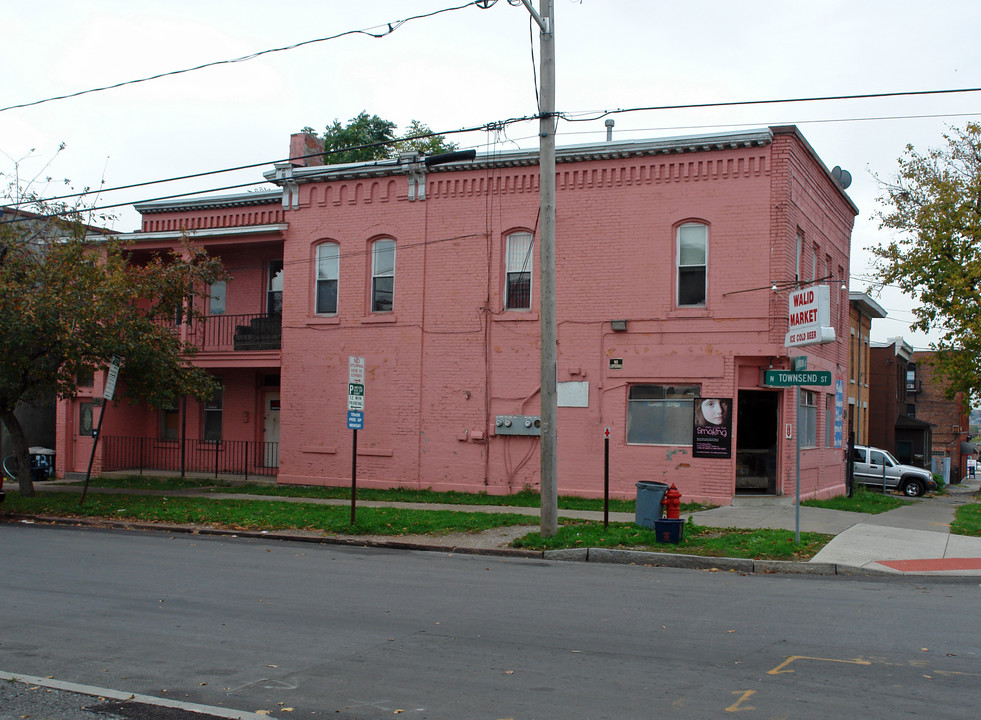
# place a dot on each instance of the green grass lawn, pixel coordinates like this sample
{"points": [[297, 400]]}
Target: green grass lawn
{"points": [[525, 498], [254, 515], [967, 520], [862, 501]]}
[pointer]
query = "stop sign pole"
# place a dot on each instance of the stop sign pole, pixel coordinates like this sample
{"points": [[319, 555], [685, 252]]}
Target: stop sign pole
{"points": [[107, 395]]}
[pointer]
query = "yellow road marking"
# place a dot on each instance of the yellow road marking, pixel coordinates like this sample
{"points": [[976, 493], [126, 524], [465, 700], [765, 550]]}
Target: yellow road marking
{"points": [[779, 669], [745, 695]]}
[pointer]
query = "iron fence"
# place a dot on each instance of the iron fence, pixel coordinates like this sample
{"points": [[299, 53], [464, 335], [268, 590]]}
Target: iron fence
{"points": [[228, 457]]}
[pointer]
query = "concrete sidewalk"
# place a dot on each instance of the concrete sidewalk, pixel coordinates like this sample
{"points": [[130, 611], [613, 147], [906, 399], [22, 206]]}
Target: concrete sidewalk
{"points": [[912, 540]]}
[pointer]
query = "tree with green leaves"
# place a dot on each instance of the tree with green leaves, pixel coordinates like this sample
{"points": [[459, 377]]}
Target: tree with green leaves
{"points": [[366, 138], [934, 204], [70, 300]]}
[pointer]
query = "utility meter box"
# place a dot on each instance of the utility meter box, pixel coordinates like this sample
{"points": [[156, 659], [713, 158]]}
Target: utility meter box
{"points": [[517, 425]]}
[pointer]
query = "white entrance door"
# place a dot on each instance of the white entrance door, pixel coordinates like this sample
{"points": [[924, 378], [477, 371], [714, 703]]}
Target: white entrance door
{"points": [[270, 429]]}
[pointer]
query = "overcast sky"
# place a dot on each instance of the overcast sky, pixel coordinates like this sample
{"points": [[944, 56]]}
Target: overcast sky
{"points": [[466, 68]]}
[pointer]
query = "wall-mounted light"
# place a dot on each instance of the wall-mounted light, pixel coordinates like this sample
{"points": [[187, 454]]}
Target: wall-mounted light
{"points": [[618, 325]]}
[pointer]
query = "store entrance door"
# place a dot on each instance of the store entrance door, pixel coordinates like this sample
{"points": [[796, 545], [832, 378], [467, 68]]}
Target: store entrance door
{"points": [[757, 440]]}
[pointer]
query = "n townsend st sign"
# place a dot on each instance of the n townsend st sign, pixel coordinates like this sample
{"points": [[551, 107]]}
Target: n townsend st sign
{"points": [[786, 378]]}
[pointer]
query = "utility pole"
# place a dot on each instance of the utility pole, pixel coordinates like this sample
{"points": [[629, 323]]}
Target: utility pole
{"points": [[546, 167], [545, 17]]}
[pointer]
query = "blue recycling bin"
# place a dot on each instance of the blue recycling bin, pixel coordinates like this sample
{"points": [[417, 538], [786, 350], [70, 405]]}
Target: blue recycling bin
{"points": [[649, 497]]}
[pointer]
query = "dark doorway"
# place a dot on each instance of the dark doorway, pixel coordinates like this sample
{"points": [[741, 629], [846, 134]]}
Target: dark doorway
{"points": [[757, 440]]}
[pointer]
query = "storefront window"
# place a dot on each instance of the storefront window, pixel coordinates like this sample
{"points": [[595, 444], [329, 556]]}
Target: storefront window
{"points": [[660, 414]]}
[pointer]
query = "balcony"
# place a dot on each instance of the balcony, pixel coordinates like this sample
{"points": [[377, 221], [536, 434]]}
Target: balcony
{"points": [[230, 333]]}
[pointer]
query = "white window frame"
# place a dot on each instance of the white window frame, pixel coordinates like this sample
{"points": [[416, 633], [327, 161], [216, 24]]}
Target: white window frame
{"points": [[327, 271], [518, 261], [807, 408], [213, 416], [379, 249], [680, 268]]}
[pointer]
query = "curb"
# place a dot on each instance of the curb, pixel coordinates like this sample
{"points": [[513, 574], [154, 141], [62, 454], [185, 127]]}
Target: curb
{"points": [[610, 556]]}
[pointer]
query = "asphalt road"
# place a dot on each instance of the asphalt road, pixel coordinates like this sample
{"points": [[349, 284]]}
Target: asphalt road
{"points": [[305, 631]]}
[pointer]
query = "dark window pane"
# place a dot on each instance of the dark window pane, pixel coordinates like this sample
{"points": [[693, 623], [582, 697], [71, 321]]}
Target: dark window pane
{"points": [[327, 297], [519, 291], [691, 286], [382, 292]]}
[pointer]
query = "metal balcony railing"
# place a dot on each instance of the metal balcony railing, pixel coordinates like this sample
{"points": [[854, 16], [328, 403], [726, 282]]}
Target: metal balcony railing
{"points": [[228, 333]]}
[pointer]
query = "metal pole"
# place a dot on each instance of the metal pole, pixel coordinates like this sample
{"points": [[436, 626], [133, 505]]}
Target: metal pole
{"points": [[797, 499], [354, 474], [549, 402], [606, 480], [95, 442]]}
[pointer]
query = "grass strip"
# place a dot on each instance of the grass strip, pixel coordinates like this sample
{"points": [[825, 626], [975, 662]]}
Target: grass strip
{"points": [[862, 501], [712, 542], [262, 514], [967, 520], [525, 498]]}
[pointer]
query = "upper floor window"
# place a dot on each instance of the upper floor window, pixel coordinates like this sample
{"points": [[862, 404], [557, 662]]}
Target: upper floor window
{"points": [[692, 255], [517, 292], [274, 291], [382, 275], [328, 258], [216, 298]]}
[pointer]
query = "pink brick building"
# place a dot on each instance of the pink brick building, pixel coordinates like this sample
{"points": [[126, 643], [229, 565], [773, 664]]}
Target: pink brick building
{"points": [[667, 255]]}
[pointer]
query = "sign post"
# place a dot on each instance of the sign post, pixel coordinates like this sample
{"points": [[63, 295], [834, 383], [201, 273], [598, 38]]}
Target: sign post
{"points": [[795, 378], [107, 394], [606, 478], [355, 420]]}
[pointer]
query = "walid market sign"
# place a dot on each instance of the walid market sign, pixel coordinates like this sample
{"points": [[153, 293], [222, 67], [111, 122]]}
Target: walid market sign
{"points": [[810, 317]]}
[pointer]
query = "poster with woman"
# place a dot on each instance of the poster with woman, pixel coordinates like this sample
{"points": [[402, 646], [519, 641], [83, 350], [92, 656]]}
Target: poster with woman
{"points": [[712, 431]]}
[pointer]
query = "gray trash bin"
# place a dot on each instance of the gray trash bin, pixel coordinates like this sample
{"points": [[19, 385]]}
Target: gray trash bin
{"points": [[649, 497]]}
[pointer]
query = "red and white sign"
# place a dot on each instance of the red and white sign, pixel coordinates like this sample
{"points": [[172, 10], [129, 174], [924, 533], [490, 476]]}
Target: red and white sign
{"points": [[810, 317]]}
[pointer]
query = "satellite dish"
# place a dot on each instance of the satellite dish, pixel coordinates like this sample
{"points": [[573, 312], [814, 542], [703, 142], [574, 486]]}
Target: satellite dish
{"points": [[842, 177]]}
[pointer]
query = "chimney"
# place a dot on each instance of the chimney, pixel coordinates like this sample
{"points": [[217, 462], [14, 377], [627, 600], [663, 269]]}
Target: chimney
{"points": [[302, 144]]}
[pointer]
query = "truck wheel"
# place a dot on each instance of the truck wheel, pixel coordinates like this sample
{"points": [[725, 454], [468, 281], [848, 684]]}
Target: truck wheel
{"points": [[914, 488]]}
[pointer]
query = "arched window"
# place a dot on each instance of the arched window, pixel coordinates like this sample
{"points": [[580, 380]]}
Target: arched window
{"points": [[692, 264], [518, 256], [328, 260], [382, 275]]}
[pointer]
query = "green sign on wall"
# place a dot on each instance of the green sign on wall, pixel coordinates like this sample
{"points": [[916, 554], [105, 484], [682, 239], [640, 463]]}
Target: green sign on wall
{"points": [[787, 378]]}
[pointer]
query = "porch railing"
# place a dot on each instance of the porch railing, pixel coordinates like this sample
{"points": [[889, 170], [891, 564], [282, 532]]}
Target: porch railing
{"points": [[228, 457], [256, 331]]}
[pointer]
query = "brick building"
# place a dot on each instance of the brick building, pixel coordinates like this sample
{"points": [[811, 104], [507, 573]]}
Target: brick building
{"points": [[862, 310], [949, 418], [675, 259]]}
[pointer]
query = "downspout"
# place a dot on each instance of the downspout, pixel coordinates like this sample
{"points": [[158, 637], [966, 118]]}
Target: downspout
{"points": [[859, 373]]}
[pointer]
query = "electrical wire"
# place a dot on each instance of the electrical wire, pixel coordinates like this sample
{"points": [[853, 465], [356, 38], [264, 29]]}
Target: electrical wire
{"points": [[386, 29]]}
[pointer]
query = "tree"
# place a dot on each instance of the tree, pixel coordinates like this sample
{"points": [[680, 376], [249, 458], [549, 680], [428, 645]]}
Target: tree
{"points": [[69, 302], [366, 138], [935, 204]]}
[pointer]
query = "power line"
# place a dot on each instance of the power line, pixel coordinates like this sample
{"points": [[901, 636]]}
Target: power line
{"points": [[384, 29]]}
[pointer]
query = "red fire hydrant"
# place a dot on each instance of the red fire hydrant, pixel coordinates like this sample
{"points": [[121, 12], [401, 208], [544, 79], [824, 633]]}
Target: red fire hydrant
{"points": [[672, 503]]}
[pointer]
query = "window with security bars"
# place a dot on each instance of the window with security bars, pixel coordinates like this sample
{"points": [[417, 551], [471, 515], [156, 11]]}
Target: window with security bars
{"points": [[517, 294]]}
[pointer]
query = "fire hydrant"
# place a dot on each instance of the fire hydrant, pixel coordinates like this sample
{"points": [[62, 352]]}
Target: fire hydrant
{"points": [[672, 503]]}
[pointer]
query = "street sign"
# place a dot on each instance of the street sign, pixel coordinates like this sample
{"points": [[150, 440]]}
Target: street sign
{"points": [[111, 377], [787, 378], [355, 396], [799, 362], [355, 420], [355, 369]]}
